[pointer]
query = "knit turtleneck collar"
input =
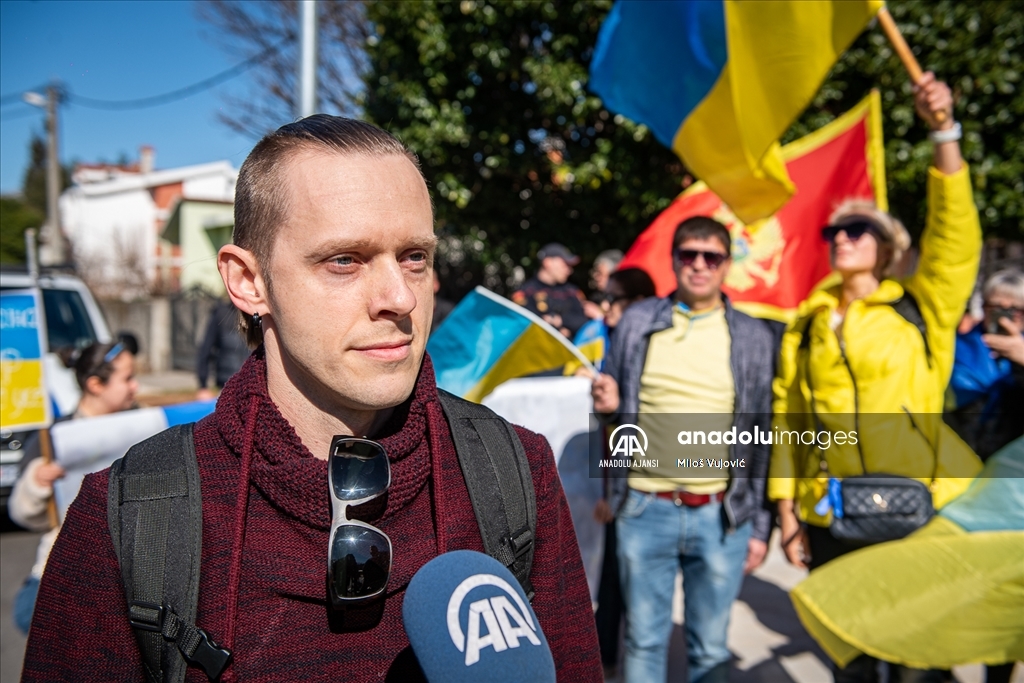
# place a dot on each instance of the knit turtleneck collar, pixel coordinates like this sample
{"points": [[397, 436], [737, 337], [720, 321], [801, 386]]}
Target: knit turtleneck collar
{"points": [[288, 474]]}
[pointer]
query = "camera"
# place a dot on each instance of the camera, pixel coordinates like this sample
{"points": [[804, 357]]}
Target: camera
{"points": [[992, 325]]}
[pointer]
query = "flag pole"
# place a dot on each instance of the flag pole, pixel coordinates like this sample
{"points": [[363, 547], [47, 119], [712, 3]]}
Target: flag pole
{"points": [[899, 43], [46, 454]]}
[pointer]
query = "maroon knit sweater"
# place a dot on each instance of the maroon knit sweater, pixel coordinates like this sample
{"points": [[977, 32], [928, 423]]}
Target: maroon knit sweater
{"points": [[263, 584]]}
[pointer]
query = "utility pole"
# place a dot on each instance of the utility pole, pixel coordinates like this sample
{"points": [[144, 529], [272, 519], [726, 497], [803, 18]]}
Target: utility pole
{"points": [[307, 58], [53, 250]]}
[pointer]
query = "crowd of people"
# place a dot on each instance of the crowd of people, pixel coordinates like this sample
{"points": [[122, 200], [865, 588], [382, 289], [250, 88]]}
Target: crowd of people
{"points": [[857, 353], [340, 350]]}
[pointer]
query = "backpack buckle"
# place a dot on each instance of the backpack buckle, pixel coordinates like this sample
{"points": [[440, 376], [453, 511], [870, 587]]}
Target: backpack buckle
{"points": [[208, 656], [520, 542], [146, 616]]}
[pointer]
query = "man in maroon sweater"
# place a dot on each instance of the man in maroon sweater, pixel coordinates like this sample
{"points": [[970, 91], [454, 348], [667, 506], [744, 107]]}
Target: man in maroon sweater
{"points": [[332, 262]]}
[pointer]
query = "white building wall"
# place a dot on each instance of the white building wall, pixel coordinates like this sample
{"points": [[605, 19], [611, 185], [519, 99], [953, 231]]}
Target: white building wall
{"points": [[112, 224], [216, 187], [113, 237]]}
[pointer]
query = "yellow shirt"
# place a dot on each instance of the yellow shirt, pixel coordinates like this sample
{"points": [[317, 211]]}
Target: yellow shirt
{"points": [[688, 370]]}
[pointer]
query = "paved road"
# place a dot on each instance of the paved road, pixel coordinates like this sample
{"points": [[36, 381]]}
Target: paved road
{"points": [[17, 552]]}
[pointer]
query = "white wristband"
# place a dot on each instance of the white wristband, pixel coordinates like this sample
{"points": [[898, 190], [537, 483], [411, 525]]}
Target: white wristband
{"points": [[950, 135]]}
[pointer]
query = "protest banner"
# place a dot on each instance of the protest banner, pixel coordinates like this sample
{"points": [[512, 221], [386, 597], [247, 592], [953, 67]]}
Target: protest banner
{"points": [[23, 402], [90, 444]]}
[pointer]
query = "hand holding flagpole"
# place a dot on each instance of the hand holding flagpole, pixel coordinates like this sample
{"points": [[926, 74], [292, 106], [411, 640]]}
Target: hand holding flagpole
{"points": [[892, 32]]}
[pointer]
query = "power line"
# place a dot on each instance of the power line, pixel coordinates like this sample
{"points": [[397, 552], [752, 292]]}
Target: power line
{"points": [[180, 93]]}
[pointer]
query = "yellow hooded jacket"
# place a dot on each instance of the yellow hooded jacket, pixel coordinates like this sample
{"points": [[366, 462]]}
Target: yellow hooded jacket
{"points": [[875, 377]]}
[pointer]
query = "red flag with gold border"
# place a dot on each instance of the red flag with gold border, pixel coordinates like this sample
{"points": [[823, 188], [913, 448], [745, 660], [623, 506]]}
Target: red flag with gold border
{"points": [[778, 261]]}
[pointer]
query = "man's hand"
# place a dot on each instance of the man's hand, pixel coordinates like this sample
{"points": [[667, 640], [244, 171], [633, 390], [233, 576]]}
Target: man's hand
{"points": [[47, 473], [603, 512], [592, 310], [204, 394], [756, 552], [1010, 345], [553, 319], [605, 392], [794, 536]]}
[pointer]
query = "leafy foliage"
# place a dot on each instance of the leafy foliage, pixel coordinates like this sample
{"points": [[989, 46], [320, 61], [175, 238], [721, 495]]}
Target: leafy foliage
{"points": [[493, 99], [15, 217], [978, 48], [492, 96]]}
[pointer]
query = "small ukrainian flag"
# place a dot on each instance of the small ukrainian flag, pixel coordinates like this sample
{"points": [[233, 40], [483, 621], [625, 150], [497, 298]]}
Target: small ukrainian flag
{"points": [[487, 340]]}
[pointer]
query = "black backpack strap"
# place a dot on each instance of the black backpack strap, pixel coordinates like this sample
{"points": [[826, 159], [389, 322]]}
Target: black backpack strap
{"points": [[154, 511], [910, 311], [500, 485]]}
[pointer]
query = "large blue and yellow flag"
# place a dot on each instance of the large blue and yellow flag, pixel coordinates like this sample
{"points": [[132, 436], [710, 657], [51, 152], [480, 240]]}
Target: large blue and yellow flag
{"points": [[487, 340], [720, 81]]}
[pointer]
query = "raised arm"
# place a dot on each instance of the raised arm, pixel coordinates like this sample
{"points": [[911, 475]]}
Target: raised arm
{"points": [[950, 246]]}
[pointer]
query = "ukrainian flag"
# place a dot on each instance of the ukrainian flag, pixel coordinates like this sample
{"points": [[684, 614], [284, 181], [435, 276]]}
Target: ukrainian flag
{"points": [[720, 81], [487, 340]]}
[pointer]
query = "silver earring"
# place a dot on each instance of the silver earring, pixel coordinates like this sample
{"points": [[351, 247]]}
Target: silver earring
{"points": [[257, 321]]}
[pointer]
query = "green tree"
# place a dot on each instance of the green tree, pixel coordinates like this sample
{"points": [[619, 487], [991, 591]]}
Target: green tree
{"points": [[15, 217], [33, 187], [492, 97], [977, 49]]}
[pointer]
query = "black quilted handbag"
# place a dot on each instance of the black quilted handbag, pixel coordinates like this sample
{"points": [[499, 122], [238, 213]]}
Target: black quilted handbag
{"points": [[874, 508], [880, 507]]}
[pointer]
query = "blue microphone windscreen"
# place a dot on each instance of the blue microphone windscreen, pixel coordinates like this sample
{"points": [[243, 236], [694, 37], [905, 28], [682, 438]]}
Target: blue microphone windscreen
{"points": [[468, 620]]}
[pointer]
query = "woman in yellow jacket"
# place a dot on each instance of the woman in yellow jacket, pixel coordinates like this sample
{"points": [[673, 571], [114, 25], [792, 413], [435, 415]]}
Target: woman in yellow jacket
{"points": [[852, 363]]}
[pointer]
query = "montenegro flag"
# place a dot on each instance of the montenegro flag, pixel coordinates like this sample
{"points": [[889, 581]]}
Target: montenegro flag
{"points": [[720, 81], [778, 261]]}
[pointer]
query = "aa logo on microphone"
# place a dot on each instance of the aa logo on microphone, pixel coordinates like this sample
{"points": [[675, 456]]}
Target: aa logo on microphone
{"points": [[503, 623], [626, 443]]}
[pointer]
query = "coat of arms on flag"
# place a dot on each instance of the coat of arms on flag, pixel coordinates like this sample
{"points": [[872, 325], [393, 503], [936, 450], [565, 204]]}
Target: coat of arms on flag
{"points": [[778, 260]]}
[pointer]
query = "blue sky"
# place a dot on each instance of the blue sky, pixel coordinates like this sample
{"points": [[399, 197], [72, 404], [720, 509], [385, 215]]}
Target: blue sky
{"points": [[114, 51]]}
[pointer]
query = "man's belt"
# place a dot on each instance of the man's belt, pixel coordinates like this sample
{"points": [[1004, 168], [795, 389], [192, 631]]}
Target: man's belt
{"points": [[691, 500]]}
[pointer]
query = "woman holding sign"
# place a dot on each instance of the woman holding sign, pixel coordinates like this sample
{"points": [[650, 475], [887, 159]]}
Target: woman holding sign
{"points": [[106, 375]]}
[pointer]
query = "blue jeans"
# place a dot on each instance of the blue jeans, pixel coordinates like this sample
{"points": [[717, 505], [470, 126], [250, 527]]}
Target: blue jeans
{"points": [[25, 604], [655, 539]]}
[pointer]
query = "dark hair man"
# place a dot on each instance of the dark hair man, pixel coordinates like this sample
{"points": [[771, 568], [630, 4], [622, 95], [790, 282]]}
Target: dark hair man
{"points": [[331, 268], [222, 346], [691, 352], [549, 293]]}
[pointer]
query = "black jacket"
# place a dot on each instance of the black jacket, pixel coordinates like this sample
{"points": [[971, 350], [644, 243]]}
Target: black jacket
{"points": [[754, 351], [223, 344]]}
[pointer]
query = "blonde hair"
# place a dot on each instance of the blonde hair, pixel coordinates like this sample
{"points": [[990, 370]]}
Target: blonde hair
{"points": [[895, 236]]}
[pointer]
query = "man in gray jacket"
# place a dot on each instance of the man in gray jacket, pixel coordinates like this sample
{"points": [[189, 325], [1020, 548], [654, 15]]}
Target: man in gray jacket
{"points": [[688, 380]]}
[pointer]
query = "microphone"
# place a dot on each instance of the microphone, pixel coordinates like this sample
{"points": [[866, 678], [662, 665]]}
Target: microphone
{"points": [[469, 621]]}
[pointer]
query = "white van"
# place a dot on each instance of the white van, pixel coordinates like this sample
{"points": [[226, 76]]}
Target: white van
{"points": [[73, 318]]}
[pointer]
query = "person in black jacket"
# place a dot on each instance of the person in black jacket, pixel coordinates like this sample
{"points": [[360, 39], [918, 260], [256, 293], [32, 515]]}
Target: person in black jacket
{"points": [[690, 360], [550, 295], [222, 345]]}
